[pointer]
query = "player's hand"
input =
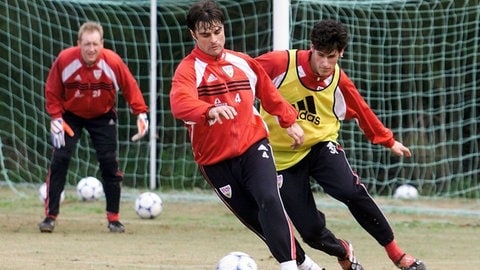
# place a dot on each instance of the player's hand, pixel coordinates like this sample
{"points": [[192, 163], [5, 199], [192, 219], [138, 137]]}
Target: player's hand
{"points": [[58, 127], [142, 125], [296, 132], [225, 111], [400, 150]]}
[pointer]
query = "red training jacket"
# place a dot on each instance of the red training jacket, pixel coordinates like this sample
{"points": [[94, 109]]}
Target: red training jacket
{"points": [[89, 92], [235, 79]]}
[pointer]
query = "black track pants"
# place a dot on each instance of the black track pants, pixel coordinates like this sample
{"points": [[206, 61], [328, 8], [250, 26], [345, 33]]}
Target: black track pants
{"points": [[248, 186]]}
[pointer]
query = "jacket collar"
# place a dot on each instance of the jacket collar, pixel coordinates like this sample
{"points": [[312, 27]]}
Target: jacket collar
{"points": [[206, 57]]}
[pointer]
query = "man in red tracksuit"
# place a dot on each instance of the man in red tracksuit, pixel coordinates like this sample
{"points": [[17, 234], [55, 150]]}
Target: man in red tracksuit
{"points": [[80, 93], [213, 92]]}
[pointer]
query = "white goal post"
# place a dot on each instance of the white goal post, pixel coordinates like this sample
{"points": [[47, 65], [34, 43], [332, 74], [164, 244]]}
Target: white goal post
{"points": [[153, 94], [281, 24]]}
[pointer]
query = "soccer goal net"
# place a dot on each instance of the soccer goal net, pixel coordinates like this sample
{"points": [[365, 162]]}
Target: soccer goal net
{"points": [[415, 62]]}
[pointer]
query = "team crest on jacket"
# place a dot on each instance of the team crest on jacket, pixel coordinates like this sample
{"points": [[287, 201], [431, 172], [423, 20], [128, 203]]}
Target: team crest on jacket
{"points": [[97, 73], [228, 70], [226, 191]]}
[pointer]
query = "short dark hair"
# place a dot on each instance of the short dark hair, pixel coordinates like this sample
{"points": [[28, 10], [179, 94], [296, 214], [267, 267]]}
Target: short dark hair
{"points": [[329, 35], [205, 11]]}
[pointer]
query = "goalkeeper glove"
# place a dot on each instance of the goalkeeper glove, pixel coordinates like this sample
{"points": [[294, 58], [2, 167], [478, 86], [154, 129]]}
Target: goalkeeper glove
{"points": [[142, 125], [58, 127]]}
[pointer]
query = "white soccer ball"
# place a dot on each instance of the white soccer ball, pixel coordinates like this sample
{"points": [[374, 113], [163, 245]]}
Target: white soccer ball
{"points": [[42, 193], [405, 192], [148, 205], [237, 261], [89, 189]]}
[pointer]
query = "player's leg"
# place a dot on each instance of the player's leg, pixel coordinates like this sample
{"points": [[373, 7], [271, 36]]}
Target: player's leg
{"points": [[309, 221], [103, 133], [56, 177], [300, 205], [259, 177], [335, 176], [57, 172], [248, 187], [337, 179], [245, 208]]}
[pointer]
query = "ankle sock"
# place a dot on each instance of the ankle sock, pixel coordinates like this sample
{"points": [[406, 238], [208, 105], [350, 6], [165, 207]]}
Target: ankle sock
{"points": [[394, 252]]}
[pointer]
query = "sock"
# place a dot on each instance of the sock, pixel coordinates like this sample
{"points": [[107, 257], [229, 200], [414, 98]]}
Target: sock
{"points": [[112, 216], [301, 258], [306, 261], [289, 265], [394, 252], [347, 250]]}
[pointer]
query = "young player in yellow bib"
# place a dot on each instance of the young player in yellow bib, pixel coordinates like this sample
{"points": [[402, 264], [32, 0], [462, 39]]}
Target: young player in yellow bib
{"points": [[312, 81]]}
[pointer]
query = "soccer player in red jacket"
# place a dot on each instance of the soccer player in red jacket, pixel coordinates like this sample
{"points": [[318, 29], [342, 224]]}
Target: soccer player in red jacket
{"points": [[80, 93], [213, 92], [323, 94]]}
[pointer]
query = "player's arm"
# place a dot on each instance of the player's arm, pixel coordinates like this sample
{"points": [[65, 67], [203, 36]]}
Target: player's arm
{"points": [[184, 102], [372, 127], [54, 91], [273, 102], [274, 63], [54, 98], [131, 92], [367, 120], [127, 83]]}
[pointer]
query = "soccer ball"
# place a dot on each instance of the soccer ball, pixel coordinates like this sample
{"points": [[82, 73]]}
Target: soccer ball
{"points": [[42, 193], [89, 188], [406, 192], [148, 205], [237, 261]]}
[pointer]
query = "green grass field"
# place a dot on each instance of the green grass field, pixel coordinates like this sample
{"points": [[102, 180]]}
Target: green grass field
{"points": [[195, 230]]}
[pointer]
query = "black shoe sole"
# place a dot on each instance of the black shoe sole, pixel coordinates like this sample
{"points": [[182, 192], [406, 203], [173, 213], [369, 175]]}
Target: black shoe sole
{"points": [[46, 230]]}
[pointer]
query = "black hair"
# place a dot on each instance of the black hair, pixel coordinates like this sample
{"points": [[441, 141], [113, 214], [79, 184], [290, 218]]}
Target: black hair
{"points": [[329, 35], [205, 11]]}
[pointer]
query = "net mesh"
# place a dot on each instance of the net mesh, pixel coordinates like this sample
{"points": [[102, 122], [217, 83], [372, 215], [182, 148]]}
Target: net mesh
{"points": [[415, 62]]}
